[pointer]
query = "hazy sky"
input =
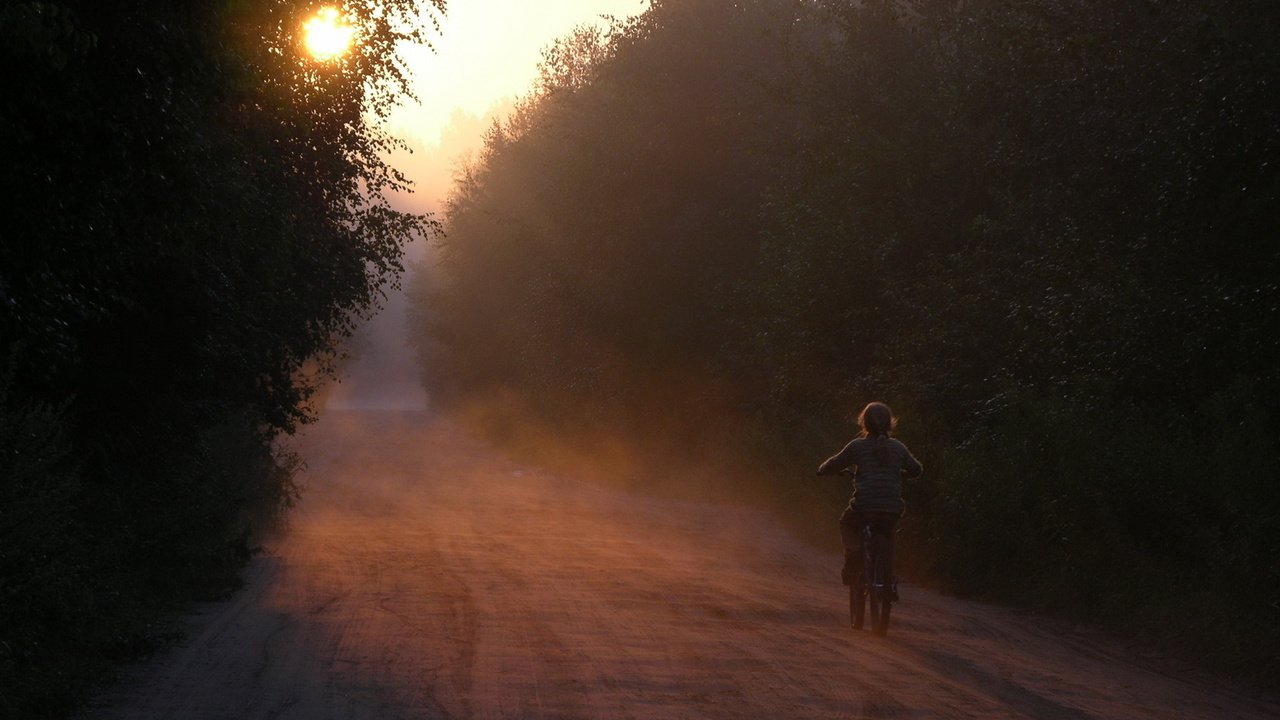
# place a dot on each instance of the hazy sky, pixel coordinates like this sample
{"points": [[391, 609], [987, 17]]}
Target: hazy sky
{"points": [[487, 55], [488, 51]]}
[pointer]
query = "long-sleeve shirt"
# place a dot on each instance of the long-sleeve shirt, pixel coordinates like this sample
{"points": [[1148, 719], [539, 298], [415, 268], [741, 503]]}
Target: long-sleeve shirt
{"points": [[877, 485]]}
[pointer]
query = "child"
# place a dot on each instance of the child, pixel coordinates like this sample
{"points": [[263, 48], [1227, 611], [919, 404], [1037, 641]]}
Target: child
{"points": [[880, 462]]}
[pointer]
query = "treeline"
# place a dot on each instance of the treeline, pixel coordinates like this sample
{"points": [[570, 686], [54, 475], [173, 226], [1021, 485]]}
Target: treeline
{"points": [[1043, 231], [193, 212]]}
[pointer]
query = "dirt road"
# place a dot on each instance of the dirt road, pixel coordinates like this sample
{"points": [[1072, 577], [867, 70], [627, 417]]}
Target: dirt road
{"points": [[429, 577]]}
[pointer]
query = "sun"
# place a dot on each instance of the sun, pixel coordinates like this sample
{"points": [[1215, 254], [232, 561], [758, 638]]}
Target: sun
{"points": [[327, 34]]}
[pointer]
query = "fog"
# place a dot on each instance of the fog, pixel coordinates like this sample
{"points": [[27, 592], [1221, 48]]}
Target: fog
{"points": [[381, 370]]}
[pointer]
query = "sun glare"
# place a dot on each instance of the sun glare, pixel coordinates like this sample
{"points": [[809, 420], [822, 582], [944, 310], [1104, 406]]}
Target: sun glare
{"points": [[327, 35]]}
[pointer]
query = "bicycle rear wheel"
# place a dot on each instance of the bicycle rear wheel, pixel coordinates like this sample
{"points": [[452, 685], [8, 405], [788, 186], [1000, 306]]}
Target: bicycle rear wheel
{"points": [[881, 591], [880, 606]]}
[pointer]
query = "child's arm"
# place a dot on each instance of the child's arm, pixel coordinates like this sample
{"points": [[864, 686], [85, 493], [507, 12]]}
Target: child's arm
{"points": [[911, 467], [841, 460]]}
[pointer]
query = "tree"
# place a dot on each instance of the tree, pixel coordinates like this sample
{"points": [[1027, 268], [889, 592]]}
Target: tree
{"points": [[198, 210]]}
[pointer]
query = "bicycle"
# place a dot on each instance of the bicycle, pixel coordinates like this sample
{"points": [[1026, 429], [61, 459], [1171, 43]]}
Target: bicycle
{"points": [[875, 585]]}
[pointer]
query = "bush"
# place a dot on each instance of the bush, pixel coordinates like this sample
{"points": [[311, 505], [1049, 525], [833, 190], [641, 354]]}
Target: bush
{"points": [[1078, 503]]}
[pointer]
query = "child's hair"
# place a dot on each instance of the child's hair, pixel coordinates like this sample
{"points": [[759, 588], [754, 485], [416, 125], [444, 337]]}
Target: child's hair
{"points": [[877, 420]]}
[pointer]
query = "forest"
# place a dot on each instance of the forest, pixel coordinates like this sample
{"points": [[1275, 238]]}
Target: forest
{"points": [[197, 215], [1043, 231]]}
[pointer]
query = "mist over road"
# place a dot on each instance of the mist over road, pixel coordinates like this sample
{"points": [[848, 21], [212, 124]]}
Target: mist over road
{"points": [[428, 576]]}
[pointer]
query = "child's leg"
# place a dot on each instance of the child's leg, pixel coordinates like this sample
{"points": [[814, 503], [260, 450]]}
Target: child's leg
{"points": [[851, 537], [888, 525]]}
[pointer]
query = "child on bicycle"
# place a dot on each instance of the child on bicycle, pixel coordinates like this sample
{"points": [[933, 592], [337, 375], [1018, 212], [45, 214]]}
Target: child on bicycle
{"points": [[879, 462]]}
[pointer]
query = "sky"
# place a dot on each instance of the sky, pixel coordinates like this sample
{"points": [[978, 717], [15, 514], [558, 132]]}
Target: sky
{"points": [[486, 56]]}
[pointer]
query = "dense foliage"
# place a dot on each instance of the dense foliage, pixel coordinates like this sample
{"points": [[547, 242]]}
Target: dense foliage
{"points": [[1044, 231], [194, 210]]}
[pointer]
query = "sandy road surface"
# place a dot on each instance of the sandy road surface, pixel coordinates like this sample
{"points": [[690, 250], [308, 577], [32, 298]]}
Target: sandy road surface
{"points": [[429, 577]]}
